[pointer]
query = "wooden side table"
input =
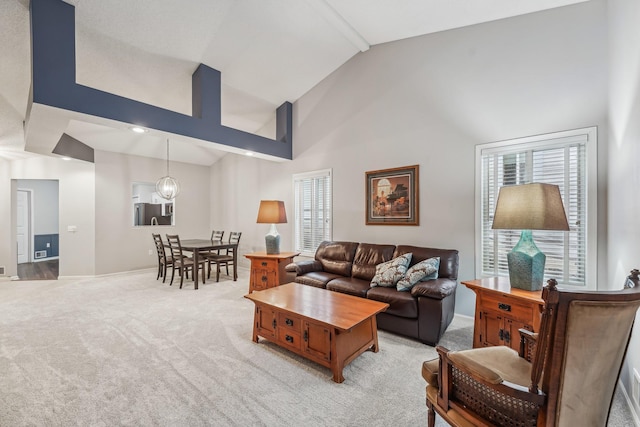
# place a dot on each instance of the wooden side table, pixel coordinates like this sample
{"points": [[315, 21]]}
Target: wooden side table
{"points": [[502, 310], [267, 271]]}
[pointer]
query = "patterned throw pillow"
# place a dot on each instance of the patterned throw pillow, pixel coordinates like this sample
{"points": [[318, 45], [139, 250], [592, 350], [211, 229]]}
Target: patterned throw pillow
{"points": [[388, 273], [419, 272], [434, 275]]}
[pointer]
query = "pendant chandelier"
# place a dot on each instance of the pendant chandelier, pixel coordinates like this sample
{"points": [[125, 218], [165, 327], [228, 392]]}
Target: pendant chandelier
{"points": [[168, 187]]}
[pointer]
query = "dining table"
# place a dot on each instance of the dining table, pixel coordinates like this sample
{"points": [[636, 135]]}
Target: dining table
{"points": [[204, 245]]}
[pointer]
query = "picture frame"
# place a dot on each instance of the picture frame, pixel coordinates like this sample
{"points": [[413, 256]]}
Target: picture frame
{"points": [[392, 196]]}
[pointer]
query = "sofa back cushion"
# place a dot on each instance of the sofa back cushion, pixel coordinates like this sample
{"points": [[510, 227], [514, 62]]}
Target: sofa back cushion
{"points": [[336, 257], [448, 258], [367, 257]]}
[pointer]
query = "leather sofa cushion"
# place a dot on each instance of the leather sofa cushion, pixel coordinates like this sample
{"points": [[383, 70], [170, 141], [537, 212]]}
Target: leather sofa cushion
{"points": [[436, 288], [401, 304], [319, 279], [366, 258], [349, 285], [336, 257], [448, 258]]}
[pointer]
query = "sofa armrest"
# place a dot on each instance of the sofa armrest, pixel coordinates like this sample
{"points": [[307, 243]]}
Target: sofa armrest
{"points": [[437, 288], [303, 267]]}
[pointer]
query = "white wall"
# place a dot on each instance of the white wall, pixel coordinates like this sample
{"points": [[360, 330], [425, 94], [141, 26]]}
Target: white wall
{"points": [[76, 208], [429, 100], [6, 241], [624, 154], [119, 245], [45, 204]]}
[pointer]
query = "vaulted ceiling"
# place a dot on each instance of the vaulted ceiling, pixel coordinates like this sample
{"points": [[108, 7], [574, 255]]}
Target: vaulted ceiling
{"points": [[267, 51]]}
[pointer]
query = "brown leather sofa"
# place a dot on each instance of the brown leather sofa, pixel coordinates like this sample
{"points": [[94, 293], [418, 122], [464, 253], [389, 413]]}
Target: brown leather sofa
{"points": [[423, 313]]}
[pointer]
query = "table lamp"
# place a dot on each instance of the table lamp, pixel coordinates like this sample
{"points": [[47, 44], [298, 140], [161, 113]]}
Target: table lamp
{"points": [[528, 207], [272, 212]]}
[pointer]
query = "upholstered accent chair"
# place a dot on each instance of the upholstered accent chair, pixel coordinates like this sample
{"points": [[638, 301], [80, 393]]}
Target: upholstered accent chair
{"points": [[565, 375]]}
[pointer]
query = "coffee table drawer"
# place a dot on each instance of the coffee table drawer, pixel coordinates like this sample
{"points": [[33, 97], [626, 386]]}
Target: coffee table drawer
{"points": [[289, 321], [289, 339]]}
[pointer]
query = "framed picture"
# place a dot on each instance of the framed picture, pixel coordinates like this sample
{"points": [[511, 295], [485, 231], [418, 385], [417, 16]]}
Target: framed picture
{"points": [[392, 196]]}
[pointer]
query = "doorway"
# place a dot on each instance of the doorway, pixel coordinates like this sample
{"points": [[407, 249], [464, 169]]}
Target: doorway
{"points": [[37, 229]]}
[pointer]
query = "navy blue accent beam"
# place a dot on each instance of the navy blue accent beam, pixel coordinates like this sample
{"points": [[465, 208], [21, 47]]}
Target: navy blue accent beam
{"points": [[54, 84]]}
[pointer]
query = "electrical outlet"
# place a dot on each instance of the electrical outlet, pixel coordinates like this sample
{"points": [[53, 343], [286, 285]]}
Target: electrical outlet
{"points": [[150, 252], [635, 388]]}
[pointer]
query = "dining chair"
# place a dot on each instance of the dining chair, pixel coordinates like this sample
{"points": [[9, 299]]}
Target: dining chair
{"points": [[164, 260], [215, 236], [228, 257], [181, 262], [565, 374]]}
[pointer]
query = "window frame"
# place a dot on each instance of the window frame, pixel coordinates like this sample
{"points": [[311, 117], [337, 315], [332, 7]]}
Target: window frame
{"points": [[310, 252], [591, 193]]}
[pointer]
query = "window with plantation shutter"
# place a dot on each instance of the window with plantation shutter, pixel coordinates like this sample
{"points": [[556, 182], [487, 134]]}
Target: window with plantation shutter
{"points": [[313, 211], [566, 159]]}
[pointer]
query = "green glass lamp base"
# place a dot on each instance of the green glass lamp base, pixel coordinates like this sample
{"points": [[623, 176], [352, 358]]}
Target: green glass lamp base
{"points": [[272, 240], [526, 264]]}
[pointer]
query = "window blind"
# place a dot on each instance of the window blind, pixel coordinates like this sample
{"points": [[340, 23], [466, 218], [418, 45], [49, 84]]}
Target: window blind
{"points": [[554, 159], [313, 210]]}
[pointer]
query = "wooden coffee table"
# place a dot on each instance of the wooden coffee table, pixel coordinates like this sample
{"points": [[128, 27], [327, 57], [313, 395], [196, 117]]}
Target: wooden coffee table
{"points": [[329, 328]]}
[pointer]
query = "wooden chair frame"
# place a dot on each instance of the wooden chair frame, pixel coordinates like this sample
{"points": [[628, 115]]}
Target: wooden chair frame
{"points": [[181, 262], [466, 398], [225, 259]]}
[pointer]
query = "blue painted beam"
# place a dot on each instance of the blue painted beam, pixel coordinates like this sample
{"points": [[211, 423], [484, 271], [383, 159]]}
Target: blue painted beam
{"points": [[54, 84]]}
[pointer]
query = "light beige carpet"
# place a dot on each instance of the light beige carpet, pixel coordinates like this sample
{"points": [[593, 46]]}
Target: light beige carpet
{"points": [[128, 350]]}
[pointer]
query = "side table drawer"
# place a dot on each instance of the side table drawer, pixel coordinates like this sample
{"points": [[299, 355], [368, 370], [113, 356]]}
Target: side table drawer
{"points": [[263, 279], [508, 307], [265, 264]]}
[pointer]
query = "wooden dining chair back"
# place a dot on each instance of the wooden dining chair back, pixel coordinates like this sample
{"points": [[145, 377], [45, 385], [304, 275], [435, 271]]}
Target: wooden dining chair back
{"points": [[229, 257], [181, 262], [217, 235], [576, 359], [163, 259]]}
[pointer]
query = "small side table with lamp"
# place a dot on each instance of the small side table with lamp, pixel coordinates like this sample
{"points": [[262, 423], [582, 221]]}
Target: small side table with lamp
{"points": [[267, 268], [504, 305]]}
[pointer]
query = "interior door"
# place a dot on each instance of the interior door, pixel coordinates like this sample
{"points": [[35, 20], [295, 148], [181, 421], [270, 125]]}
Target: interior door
{"points": [[24, 226]]}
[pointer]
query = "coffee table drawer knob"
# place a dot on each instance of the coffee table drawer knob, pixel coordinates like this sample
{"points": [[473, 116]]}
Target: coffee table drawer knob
{"points": [[289, 338], [288, 322]]}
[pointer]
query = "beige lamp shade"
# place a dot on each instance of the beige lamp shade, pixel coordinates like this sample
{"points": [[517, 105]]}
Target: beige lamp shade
{"points": [[271, 212], [533, 206]]}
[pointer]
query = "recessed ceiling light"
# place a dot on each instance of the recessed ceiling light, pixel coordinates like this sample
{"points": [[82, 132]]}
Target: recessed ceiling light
{"points": [[138, 129], [249, 153], [66, 158]]}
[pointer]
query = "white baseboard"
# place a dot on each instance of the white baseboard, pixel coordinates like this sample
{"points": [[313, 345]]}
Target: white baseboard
{"points": [[45, 259], [464, 316], [632, 409]]}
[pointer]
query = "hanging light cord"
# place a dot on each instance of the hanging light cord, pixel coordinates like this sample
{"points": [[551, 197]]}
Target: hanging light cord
{"points": [[168, 157]]}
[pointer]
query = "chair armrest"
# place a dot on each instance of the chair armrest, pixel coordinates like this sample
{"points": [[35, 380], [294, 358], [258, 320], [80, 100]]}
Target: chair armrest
{"points": [[437, 288], [528, 341], [303, 267]]}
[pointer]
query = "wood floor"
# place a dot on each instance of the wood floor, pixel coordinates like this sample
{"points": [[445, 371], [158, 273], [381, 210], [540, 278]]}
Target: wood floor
{"points": [[43, 270]]}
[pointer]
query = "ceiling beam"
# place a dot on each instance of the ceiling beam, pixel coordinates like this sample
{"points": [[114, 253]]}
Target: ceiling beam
{"points": [[340, 23], [54, 85]]}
